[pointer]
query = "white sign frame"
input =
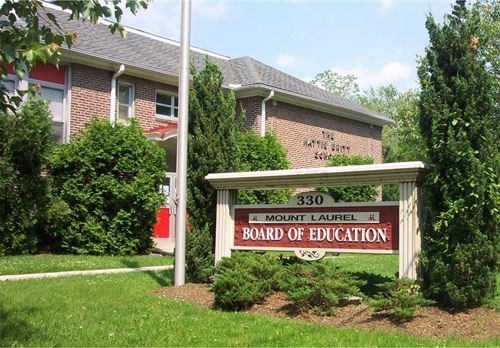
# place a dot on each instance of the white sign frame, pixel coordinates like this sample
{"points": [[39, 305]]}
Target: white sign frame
{"points": [[407, 174]]}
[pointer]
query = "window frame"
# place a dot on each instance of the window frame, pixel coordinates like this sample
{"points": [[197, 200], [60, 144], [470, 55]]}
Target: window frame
{"points": [[131, 101], [172, 106], [64, 117]]}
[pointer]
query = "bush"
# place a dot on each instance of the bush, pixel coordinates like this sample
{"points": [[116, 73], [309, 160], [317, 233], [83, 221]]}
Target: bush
{"points": [[199, 256], [319, 286], [401, 297], [212, 148], [104, 191], [245, 279], [366, 193], [258, 153], [25, 142]]}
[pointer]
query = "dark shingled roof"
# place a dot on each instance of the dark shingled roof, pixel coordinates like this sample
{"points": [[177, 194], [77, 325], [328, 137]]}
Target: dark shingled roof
{"points": [[155, 54]]}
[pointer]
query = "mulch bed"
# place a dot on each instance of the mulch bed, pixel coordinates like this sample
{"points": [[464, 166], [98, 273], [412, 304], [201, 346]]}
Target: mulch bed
{"points": [[479, 323]]}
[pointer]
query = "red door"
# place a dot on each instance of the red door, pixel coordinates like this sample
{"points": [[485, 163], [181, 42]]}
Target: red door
{"points": [[162, 227]]}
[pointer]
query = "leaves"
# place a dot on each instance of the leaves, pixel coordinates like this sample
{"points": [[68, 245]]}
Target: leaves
{"points": [[366, 193], [25, 141], [460, 130], [32, 33], [108, 178]]}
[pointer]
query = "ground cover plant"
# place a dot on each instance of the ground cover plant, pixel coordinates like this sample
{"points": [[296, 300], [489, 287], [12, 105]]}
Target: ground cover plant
{"points": [[402, 297], [24, 264], [245, 279], [319, 286], [126, 310]]}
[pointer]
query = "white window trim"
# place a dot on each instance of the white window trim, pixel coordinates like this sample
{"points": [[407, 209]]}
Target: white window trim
{"points": [[24, 83], [171, 95], [65, 115], [131, 105]]}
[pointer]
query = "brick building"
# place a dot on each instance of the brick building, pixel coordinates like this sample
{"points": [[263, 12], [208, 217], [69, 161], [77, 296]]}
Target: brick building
{"points": [[116, 78]]}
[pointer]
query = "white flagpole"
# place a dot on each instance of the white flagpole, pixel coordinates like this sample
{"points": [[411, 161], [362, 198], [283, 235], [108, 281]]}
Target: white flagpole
{"points": [[182, 135]]}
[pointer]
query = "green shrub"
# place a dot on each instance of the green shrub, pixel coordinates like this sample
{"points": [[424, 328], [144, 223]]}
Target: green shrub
{"points": [[459, 124], [366, 193], [318, 286], [25, 142], [258, 153], [212, 148], [104, 191], [199, 255], [401, 297], [245, 279]]}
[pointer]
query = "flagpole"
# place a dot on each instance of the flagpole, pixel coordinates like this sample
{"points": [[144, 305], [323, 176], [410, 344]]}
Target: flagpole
{"points": [[182, 134]]}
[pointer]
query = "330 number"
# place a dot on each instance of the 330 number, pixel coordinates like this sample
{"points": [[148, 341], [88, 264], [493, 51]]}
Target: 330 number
{"points": [[310, 200]]}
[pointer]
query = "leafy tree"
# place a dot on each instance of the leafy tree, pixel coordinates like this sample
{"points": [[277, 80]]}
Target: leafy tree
{"points": [[456, 106], [212, 148], [344, 86], [365, 193], [31, 34], [25, 142], [261, 153], [401, 141], [489, 49], [105, 191]]}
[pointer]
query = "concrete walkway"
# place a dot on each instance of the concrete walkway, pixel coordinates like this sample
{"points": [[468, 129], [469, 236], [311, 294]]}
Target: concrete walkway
{"points": [[90, 272]]}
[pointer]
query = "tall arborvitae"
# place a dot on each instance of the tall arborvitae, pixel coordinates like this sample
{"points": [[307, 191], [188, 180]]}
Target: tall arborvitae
{"points": [[461, 249], [212, 148]]}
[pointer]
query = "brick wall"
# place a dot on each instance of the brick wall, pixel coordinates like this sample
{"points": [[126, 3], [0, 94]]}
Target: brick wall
{"points": [[310, 137], [90, 96], [251, 107]]}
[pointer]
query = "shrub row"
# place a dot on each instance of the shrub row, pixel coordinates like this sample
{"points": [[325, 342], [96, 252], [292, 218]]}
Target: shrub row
{"points": [[95, 195], [248, 278]]}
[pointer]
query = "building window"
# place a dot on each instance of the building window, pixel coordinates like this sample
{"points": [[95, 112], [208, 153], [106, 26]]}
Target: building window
{"points": [[125, 101], [167, 105], [55, 98]]}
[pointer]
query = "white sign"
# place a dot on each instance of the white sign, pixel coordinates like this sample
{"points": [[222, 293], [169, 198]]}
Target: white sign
{"points": [[317, 218], [310, 255]]}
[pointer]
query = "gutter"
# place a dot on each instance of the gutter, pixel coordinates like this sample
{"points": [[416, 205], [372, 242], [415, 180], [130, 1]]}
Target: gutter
{"points": [[263, 114], [112, 108]]}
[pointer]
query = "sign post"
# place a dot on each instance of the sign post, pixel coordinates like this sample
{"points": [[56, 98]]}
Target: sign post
{"points": [[311, 223], [180, 221]]}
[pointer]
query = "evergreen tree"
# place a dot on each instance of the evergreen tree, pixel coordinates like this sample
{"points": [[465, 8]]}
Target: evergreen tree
{"points": [[25, 142], [212, 148], [460, 257]]}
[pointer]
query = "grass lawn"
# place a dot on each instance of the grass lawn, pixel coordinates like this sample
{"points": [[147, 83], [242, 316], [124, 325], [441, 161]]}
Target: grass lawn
{"points": [[121, 310], [57, 263]]}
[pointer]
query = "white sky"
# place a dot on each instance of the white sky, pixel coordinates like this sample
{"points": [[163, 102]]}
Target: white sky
{"points": [[376, 40]]}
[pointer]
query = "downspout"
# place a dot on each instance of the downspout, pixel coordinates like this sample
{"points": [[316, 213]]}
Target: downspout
{"points": [[263, 114], [113, 92]]}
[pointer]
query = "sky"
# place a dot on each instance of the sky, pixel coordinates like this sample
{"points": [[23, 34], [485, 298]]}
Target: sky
{"points": [[378, 41]]}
